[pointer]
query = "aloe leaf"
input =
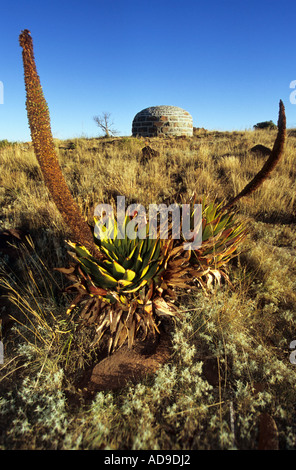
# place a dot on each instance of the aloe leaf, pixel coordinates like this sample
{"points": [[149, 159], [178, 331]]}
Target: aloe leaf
{"points": [[117, 269], [129, 275], [100, 275]]}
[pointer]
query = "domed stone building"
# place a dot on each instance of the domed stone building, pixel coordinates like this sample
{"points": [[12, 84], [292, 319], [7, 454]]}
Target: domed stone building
{"points": [[162, 120]]}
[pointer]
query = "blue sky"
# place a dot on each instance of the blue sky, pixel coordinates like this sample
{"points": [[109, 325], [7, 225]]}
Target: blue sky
{"points": [[226, 62]]}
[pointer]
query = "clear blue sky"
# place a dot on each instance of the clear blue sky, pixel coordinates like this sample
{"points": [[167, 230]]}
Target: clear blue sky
{"points": [[226, 62]]}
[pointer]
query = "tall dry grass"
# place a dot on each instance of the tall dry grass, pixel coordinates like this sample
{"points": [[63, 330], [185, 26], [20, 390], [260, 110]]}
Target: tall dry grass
{"points": [[97, 170]]}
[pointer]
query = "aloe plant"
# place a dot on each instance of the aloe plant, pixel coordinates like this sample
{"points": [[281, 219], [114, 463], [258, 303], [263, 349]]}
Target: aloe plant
{"points": [[222, 237], [123, 291]]}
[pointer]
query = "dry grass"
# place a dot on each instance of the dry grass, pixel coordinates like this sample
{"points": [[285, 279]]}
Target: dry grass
{"points": [[231, 350], [216, 164]]}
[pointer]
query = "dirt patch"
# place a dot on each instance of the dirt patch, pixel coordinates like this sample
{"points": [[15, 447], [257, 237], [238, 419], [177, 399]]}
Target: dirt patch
{"points": [[131, 365]]}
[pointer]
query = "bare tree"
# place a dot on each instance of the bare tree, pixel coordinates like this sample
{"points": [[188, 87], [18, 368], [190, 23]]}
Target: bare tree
{"points": [[106, 124]]}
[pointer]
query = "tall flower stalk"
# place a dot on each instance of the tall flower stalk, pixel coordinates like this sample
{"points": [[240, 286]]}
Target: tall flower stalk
{"points": [[42, 139], [276, 153]]}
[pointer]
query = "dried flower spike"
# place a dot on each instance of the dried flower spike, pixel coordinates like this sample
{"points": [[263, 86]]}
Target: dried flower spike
{"points": [[276, 154], [39, 121]]}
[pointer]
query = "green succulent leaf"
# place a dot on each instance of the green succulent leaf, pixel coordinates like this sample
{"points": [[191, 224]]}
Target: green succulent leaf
{"points": [[129, 275]]}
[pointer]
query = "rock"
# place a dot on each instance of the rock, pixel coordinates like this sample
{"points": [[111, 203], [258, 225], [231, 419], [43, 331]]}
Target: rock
{"points": [[131, 365], [210, 370], [265, 151], [268, 433], [148, 153]]}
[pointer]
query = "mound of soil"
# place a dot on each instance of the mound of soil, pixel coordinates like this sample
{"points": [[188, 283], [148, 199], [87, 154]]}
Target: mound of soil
{"points": [[131, 365], [261, 149]]}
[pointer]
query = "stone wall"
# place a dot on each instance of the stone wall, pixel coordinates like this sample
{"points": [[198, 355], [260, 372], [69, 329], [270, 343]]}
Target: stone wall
{"points": [[162, 120]]}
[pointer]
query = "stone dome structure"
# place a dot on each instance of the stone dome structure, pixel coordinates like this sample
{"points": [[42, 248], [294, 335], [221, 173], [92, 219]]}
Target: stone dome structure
{"points": [[162, 120]]}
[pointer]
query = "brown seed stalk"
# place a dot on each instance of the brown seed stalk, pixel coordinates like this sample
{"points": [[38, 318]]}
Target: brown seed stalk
{"points": [[276, 154], [39, 122]]}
